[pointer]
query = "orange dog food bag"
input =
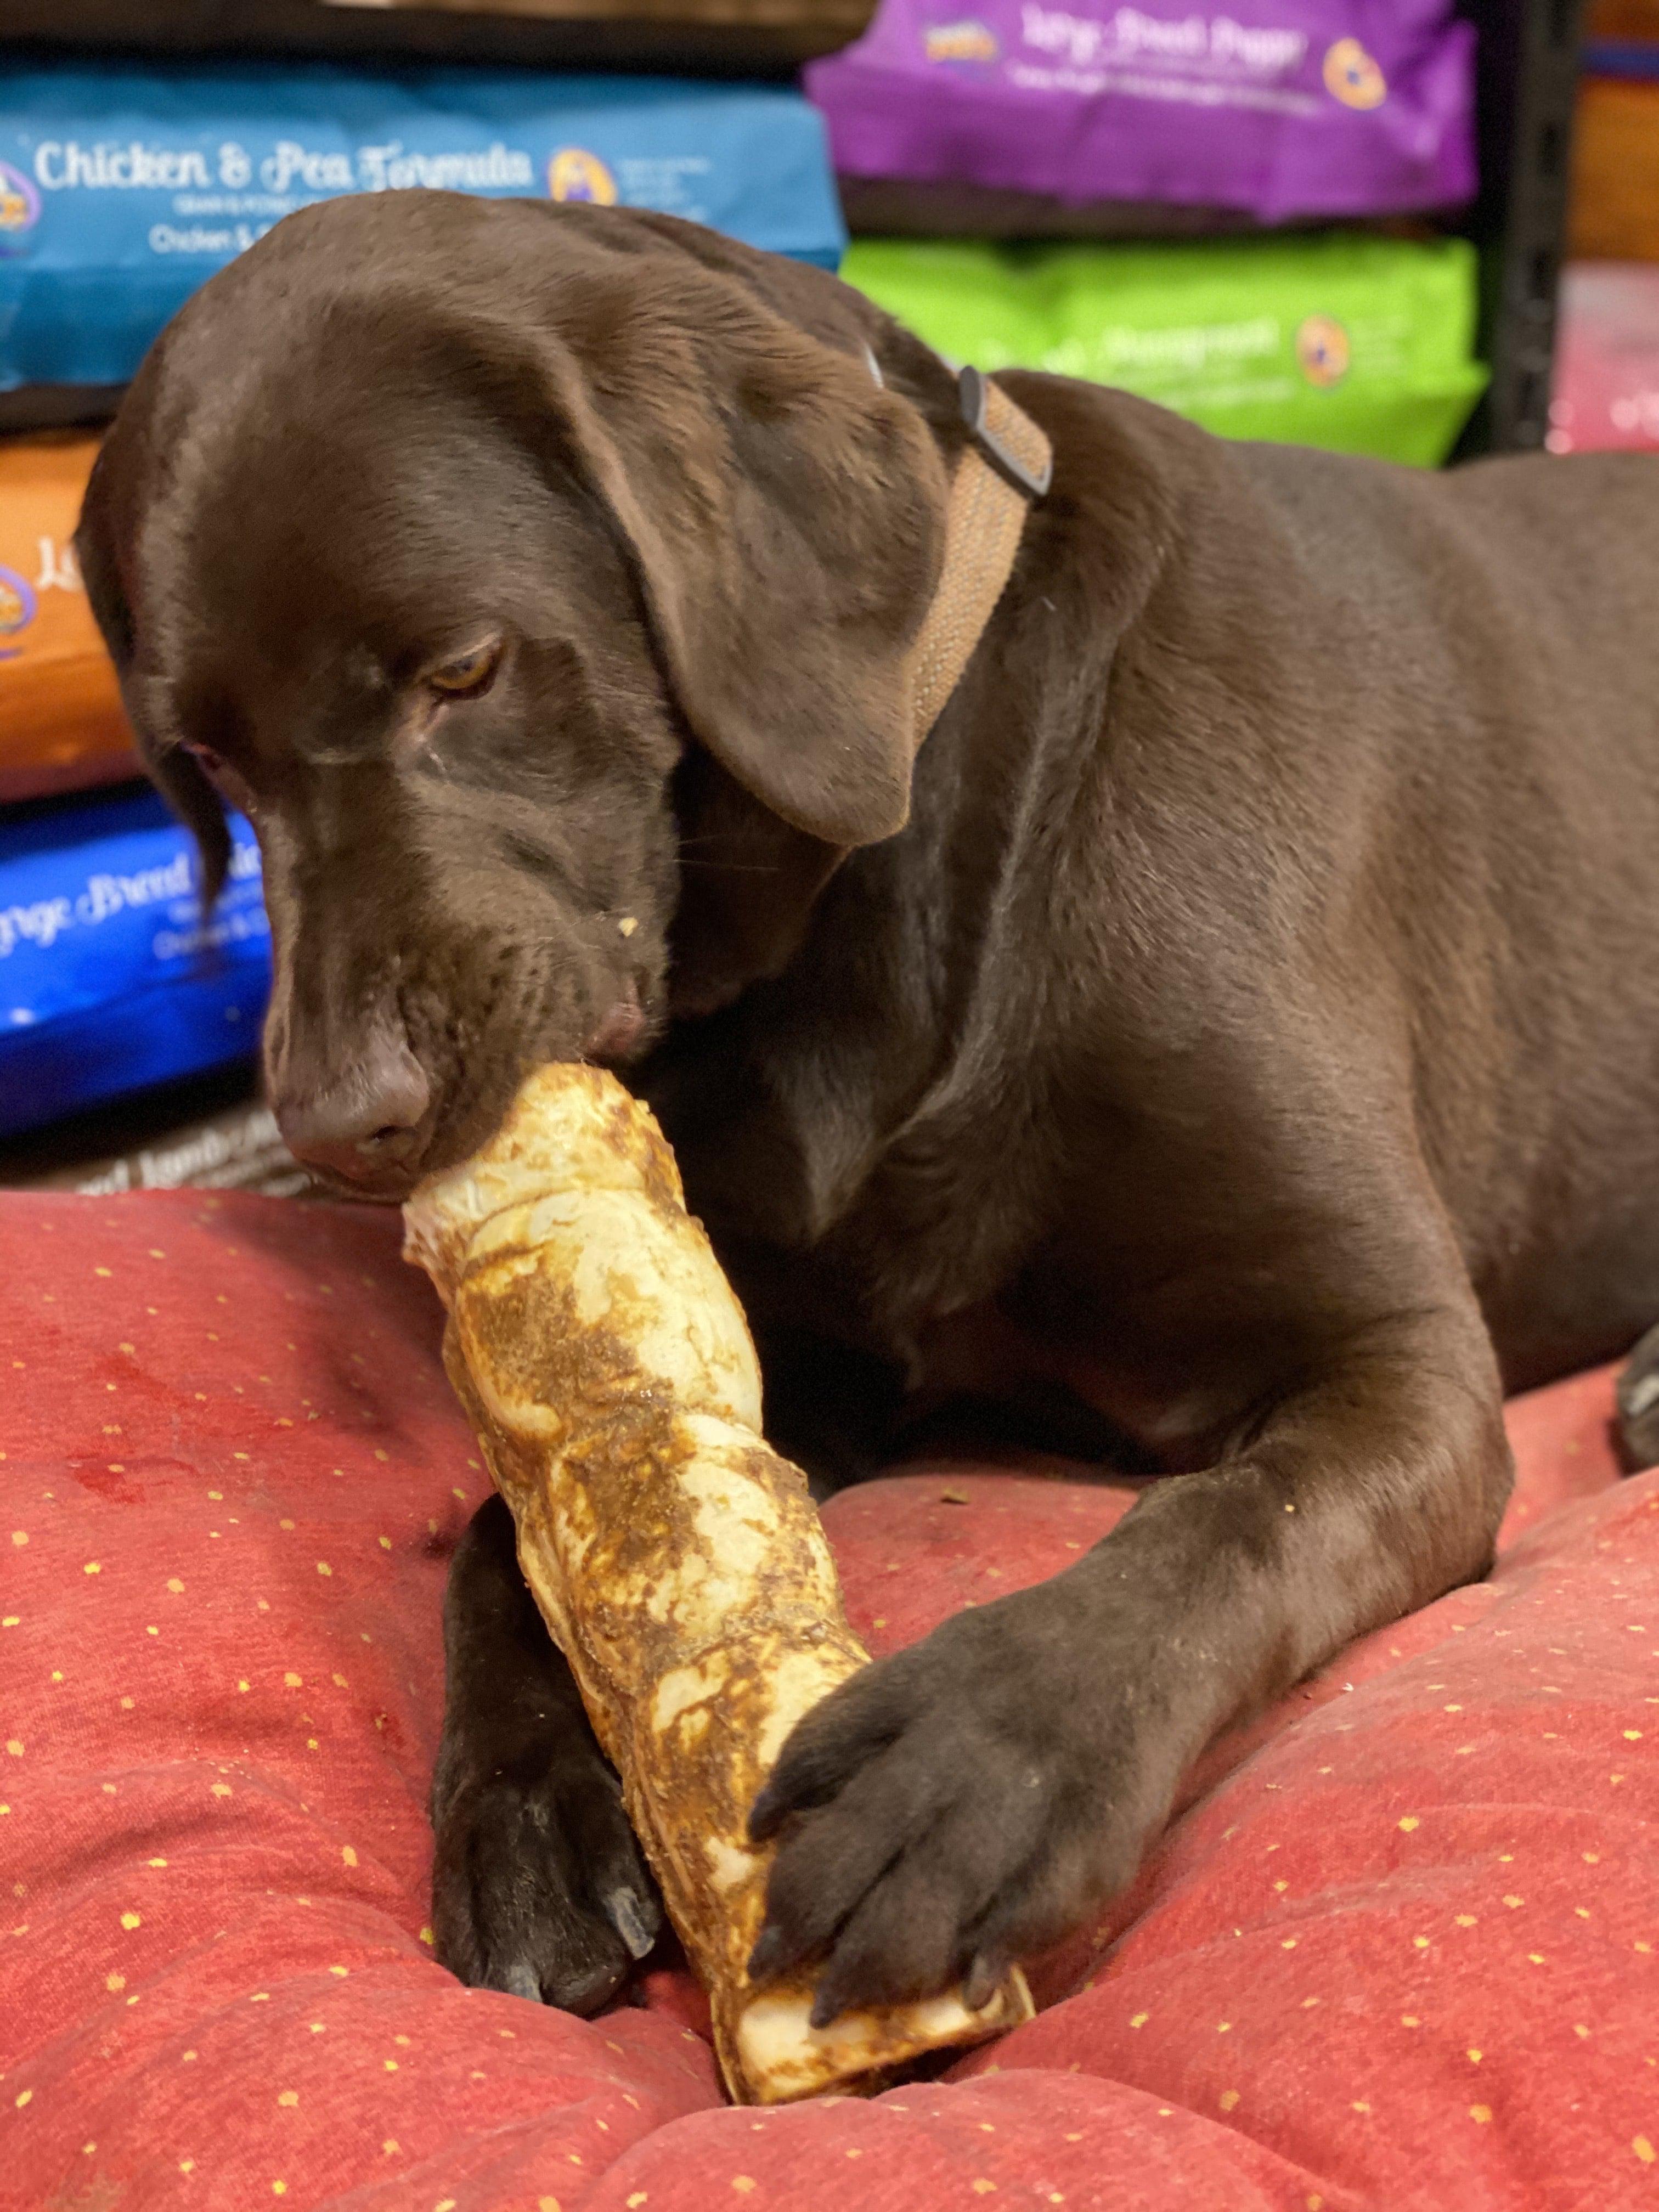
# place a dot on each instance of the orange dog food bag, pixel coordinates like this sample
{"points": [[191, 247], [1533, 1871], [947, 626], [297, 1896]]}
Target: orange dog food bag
{"points": [[61, 723]]}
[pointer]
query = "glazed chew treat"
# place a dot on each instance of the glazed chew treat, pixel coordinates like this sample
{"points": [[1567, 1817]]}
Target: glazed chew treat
{"points": [[679, 1563]]}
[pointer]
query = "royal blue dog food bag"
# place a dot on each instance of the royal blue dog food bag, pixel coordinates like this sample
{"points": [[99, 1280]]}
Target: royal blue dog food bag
{"points": [[110, 978]]}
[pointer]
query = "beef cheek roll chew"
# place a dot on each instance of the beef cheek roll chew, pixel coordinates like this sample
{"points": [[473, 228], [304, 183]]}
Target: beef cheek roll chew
{"points": [[679, 1563]]}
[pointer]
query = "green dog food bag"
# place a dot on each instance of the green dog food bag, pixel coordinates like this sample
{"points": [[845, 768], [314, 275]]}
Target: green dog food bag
{"points": [[986, 305], [1359, 343]]}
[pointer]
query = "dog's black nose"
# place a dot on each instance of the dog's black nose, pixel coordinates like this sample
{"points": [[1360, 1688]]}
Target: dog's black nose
{"points": [[364, 1125]]}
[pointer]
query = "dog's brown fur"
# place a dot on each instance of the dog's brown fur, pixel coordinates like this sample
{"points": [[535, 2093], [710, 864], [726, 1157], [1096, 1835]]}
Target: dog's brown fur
{"points": [[1241, 1063]]}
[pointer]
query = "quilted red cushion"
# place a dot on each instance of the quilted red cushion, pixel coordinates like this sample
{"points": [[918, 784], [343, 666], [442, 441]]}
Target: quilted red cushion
{"points": [[1398, 1953]]}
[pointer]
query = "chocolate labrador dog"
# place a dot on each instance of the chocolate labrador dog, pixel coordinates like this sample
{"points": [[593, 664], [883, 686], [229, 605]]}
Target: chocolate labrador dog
{"points": [[1229, 1051]]}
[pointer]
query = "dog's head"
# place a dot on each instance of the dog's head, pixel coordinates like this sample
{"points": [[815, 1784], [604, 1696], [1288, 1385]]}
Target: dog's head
{"points": [[541, 582]]}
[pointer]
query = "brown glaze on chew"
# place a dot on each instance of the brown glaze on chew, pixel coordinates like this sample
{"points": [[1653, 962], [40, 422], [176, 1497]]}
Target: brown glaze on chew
{"points": [[679, 1563]]}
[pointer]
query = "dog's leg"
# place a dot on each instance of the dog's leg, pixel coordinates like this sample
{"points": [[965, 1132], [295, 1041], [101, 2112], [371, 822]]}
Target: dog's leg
{"points": [[537, 1884], [966, 1800]]}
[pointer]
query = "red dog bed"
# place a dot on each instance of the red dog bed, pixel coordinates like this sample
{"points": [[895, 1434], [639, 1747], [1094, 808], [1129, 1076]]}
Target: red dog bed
{"points": [[1397, 1952]]}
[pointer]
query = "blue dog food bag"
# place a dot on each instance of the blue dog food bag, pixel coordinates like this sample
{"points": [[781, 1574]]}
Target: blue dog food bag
{"points": [[109, 977], [121, 190]]}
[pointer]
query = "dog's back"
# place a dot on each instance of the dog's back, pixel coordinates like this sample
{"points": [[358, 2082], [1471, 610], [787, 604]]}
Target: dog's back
{"points": [[1488, 636]]}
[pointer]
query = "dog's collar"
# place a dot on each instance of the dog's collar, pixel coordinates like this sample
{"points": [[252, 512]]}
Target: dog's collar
{"points": [[1007, 467]]}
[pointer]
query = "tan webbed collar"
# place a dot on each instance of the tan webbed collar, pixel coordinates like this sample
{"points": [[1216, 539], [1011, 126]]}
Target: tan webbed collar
{"points": [[1000, 476]]}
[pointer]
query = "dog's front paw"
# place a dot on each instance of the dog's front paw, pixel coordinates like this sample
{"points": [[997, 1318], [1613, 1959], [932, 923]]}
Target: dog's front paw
{"points": [[1638, 1405], [954, 1808], [538, 1885]]}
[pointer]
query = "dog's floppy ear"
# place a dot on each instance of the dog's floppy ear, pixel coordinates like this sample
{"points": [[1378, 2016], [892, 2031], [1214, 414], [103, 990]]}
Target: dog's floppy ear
{"points": [[182, 783], [786, 518]]}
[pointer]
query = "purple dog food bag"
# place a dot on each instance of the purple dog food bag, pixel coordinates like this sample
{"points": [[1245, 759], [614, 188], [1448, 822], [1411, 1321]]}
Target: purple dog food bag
{"points": [[1275, 109]]}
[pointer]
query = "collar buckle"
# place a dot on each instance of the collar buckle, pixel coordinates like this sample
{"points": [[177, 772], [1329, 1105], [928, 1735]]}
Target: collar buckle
{"points": [[976, 393]]}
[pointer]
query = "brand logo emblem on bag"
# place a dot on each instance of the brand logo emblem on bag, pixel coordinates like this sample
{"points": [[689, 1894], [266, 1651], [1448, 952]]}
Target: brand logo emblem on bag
{"points": [[1352, 77], [17, 605], [967, 41], [1321, 349], [19, 204], [576, 175]]}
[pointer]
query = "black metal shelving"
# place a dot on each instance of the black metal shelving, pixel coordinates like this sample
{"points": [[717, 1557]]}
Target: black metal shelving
{"points": [[1527, 78], [702, 37]]}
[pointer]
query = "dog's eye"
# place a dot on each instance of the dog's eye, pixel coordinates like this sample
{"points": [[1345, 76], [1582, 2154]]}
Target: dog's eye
{"points": [[467, 677]]}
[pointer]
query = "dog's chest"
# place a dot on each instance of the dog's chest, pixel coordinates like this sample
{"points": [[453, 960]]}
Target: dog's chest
{"points": [[952, 1248], [969, 1302], [870, 1239]]}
